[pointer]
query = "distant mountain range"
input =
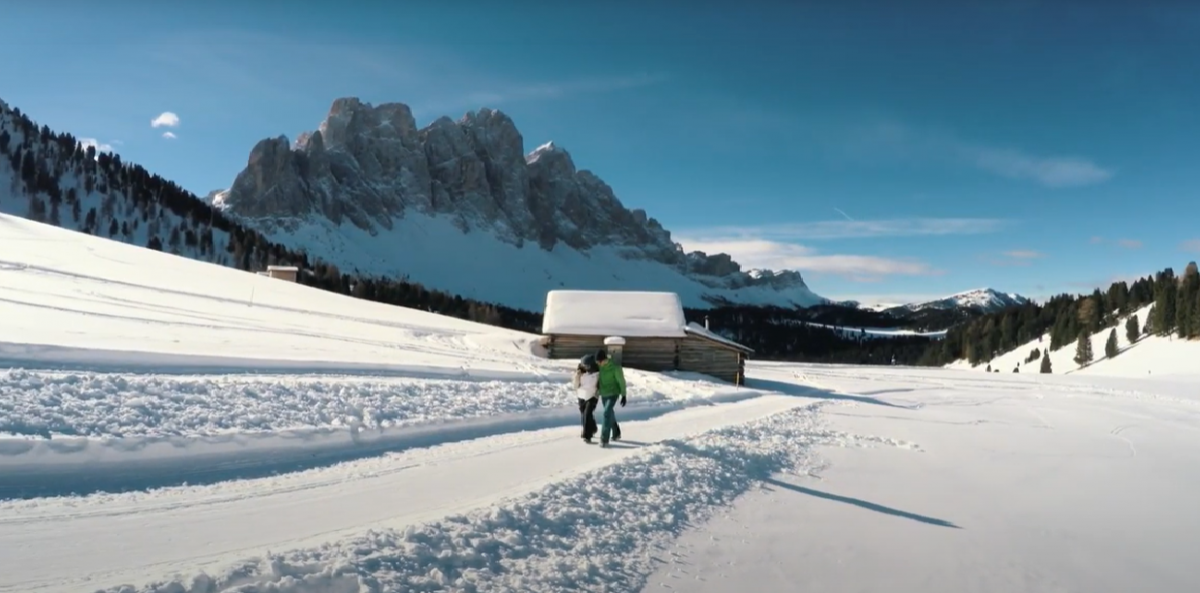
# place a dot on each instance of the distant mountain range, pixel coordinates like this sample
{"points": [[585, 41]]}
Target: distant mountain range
{"points": [[457, 206], [985, 300], [461, 206]]}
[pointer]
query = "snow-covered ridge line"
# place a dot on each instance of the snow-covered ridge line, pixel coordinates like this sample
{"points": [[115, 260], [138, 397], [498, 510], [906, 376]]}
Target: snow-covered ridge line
{"points": [[71, 465], [596, 531], [985, 299]]}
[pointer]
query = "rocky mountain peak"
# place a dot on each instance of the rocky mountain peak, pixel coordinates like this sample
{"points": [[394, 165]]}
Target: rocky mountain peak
{"points": [[369, 166]]}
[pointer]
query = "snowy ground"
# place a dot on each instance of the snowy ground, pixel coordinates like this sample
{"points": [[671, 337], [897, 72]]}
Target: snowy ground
{"points": [[163, 435], [1009, 483]]}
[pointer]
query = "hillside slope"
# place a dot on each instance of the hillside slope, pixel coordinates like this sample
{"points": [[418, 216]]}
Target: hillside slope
{"points": [[1150, 356], [72, 298], [460, 206]]}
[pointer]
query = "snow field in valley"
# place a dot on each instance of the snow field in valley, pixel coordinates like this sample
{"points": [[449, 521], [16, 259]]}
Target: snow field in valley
{"points": [[532, 511]]}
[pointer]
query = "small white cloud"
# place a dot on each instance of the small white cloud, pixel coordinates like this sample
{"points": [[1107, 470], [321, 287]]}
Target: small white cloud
{"points": [[899, 141], [165, 119], [1024, 254], [98, 145], [1130, 243], [1192, 245], [773, 255], [1065, 171], [1015, 257], [169, 135]]}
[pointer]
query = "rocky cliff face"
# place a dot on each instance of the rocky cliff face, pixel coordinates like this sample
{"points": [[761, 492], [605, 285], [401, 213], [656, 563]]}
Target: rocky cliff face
{"points": [[371, 166]]}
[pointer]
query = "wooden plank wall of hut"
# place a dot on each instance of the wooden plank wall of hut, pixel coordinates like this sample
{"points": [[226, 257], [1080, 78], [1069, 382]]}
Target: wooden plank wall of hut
{"points": [[574, 346], [691, 354], [698, 355], [647, 354], [651, 354]]}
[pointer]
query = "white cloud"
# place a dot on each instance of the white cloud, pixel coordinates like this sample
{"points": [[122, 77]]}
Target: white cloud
{"points": [[899, 141], [1024, 254], [856, 229], [1130, 243], [1060, 171], [774, 255], [1192, 245], [98, 145], [169, 135], [165, 119]]}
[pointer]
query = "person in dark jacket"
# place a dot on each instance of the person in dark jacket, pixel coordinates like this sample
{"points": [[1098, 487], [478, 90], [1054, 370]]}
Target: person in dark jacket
{"points": [[611, 387], [585, 381]]}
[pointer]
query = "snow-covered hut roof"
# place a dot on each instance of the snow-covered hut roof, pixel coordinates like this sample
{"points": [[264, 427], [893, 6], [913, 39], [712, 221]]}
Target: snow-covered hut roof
{"points": [[700, 330], [630, 314]]}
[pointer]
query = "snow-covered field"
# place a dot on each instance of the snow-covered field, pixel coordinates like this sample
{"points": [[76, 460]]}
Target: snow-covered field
{"points": [[173, 426], [992, 483], [880, 332]]}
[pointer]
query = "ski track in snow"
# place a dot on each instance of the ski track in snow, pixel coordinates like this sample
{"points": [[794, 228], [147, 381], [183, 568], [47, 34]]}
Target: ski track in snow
{"points": [[598, 531]]}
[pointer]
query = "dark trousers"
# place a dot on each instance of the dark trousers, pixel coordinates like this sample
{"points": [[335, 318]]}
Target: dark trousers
{"points": [[609, 427], [586, 408]]}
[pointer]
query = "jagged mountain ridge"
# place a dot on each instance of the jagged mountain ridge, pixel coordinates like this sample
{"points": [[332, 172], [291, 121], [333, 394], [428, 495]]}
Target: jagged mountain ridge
{"points": [[459, 206]]}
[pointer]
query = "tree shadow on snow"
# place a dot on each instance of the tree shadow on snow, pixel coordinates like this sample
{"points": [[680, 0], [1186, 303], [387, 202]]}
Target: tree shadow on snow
{"points": [[858, 502], [805, 391]]}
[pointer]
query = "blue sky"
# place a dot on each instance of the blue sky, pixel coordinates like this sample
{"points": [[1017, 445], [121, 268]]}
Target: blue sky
{"points": [[887, 152]]}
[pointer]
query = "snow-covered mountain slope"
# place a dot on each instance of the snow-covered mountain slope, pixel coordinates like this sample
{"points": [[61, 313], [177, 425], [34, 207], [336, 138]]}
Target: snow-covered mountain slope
{"points": [[985, 300], [1150, 356], [460, 206]]}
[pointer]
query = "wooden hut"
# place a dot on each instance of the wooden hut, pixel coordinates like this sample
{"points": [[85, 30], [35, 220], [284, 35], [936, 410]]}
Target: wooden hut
{"points": [[656, 335], [287, 273]]}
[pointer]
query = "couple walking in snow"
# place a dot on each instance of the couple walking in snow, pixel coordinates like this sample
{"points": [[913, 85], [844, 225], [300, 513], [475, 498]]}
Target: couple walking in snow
{"points": [[599, 380]]}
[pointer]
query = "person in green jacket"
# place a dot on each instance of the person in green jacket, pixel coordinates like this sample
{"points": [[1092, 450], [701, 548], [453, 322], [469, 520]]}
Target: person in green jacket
{"points": [[610, 387]]}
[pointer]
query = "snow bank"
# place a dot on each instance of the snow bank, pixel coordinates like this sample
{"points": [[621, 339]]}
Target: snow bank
{"points": [[598, 531], [79, 433], [613, 313], [56, 405]]}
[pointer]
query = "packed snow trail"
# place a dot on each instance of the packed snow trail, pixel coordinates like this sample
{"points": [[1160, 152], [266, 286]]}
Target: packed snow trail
{"points": [[133, 538]]}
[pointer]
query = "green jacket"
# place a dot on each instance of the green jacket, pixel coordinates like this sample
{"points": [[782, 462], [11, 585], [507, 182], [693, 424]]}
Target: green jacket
{"points": [[612, 380]]}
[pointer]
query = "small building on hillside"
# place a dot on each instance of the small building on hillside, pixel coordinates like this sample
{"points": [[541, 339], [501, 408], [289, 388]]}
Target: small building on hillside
{"points": [[656, 335], [288, 273]]}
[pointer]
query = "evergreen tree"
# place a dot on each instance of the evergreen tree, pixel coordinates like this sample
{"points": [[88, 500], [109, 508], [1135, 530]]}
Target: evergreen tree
{"points": [[1186, 324], [1165, 295], [1083, 349], [1046, 365], [1131, 329], [1110, 346]]}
